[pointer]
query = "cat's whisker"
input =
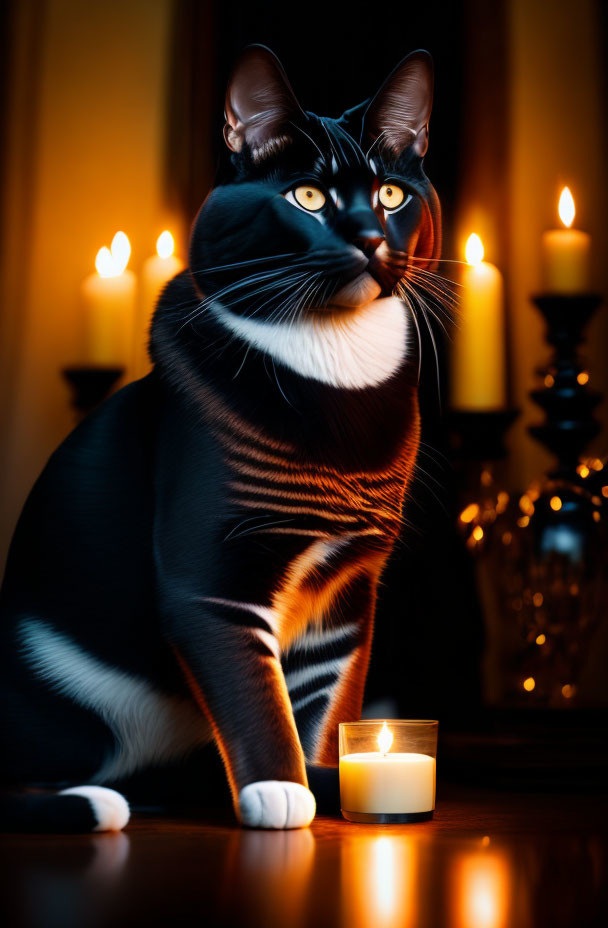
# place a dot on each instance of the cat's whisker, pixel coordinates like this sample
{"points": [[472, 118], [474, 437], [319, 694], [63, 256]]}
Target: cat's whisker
{"points": [[430, 450], [420, 304], [212, 269], [446, 298], [428, 278], [439, 260], [415, 318], [310, 139], [438, 286], [242, 364], [426, 273], [425, 305]]}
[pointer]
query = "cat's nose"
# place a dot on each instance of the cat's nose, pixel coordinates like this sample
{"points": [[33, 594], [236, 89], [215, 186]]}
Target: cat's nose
{"points": [[368, 241]]}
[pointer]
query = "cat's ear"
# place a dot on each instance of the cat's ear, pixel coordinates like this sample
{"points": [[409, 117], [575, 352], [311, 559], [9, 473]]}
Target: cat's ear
{"points": [[398, 116], [259, 103]]}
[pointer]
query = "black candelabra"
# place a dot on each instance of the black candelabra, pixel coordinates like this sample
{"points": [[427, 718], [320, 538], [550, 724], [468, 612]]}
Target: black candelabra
{"points": [[565, 397], [553, 571], [90, 385]]}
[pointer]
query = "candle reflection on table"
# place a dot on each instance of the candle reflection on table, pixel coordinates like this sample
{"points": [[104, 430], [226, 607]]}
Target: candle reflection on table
{"points": [[481, 889], [379, 881]]}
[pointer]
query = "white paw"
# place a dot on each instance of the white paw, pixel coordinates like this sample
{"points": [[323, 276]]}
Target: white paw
{"points": [[110, 808], [276, 804]]}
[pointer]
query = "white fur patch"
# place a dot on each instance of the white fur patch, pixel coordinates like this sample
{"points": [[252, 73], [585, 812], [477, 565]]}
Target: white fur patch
{"points": [[299, 678], [316, 635], [310, 697], [110, 808], [276, 804], [352, 349], [263, 612], [149, 727]]}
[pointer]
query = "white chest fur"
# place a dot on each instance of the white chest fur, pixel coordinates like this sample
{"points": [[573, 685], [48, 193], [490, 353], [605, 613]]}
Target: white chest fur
{"points": [[352, 349]]}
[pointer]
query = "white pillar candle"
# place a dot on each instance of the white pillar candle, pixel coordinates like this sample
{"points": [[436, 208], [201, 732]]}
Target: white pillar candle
{"points": [[374, 782], [108, 298], [383, 785], [156, 273], [478, 367], [565, 253]]}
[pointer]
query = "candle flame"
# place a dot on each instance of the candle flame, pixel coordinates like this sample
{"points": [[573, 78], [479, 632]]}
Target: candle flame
{"points": [[104, 263], [110, 262], [474, 249], [385, 739], [566, 207], [165, 244]]}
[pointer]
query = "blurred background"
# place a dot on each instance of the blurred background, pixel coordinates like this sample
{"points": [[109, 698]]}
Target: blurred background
{"points": [[110, 118]]}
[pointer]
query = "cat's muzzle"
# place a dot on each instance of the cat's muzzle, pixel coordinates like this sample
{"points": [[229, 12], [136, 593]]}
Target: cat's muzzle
{"points": [[387, 266], [356, 293]]}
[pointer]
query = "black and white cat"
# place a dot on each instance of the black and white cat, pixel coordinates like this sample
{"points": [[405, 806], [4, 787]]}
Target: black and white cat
{"points": [[199, 558]]}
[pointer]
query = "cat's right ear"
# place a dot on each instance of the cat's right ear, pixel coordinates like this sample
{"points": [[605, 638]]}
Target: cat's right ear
{"points": [[259, 103]]}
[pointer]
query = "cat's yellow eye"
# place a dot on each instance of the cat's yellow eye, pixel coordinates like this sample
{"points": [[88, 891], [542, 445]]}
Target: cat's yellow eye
{"points": [[310, 198], [391, 196]]}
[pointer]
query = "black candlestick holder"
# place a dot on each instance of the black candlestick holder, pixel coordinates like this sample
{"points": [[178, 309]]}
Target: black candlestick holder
{"points": [[565, 397], [90, 385], [551, 565]]}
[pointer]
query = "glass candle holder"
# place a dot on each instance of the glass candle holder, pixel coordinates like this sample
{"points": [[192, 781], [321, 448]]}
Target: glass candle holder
{"points": [[387, 770]]}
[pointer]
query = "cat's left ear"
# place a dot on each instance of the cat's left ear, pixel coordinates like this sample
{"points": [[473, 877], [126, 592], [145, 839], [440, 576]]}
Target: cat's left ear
{"points": [[259, 103], [399, 114]]}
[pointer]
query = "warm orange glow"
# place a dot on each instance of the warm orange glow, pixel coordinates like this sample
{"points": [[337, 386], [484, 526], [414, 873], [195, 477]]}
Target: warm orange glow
{"points": [[555, 503], [478, 533], [473, 251], [567, 691], [605, 492], [537, 599], [385, 739], [596, 464], [165, 245], [583, 471], [526, 505], [529, 684], [566, 207], [502, 501], [112, 261], [486, 478], [482, 890], [540, 639], [549, 380], [523, 521], [596, 517], [583, 378], [380, 882], [467, 515]]}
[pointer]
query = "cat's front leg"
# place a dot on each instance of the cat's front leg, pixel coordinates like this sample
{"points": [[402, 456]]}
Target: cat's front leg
{"points": [[230, 657]]}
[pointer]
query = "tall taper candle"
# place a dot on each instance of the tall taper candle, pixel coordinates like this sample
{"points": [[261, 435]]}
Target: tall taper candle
{"points": [[478, 368], [566, 253], [108, 297]]}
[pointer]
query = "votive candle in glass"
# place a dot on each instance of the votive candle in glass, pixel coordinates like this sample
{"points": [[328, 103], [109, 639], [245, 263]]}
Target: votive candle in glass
{"points": [[387, 770]]}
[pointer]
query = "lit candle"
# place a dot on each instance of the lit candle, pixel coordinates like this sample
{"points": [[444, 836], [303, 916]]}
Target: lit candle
{"points": [[156, 273], [387, 785], [108, 297], [478, 374], [565, 253]]}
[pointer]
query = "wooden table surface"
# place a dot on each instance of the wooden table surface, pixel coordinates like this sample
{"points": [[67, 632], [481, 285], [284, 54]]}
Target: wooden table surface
{"points": [[488, 860]]}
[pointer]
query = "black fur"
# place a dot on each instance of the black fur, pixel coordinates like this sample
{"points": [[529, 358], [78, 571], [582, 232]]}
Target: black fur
{"points": [[139, 536]]}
